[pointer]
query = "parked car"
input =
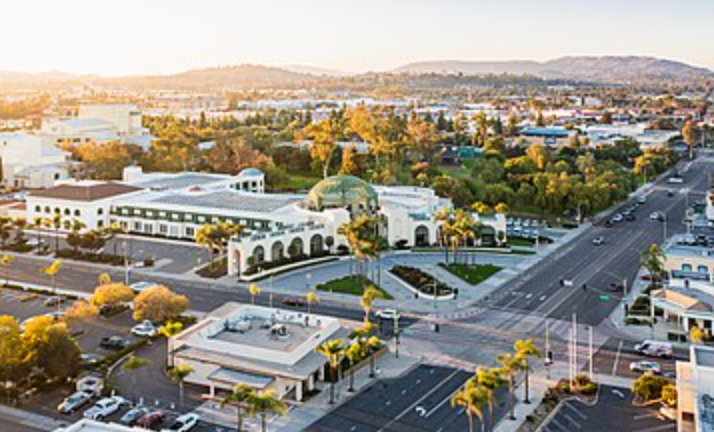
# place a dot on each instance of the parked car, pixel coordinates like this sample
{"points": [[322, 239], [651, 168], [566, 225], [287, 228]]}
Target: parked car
{"points": [[151, 420], [599, 240], [615, 287], [655, 349], [74, 402], [90, 359], [54, 301], [90, 384], [630, 217], [645, 366], [145, 329], [642, 199], [133, 415], [295, 302], [608, 223], [616, 218], [388, 314], [104, 408], [184, 423], [114, 343], [141, 286], [670, 193], [675, 180]]}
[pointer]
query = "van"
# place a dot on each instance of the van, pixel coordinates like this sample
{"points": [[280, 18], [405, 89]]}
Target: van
{"points": [[652, 348]]}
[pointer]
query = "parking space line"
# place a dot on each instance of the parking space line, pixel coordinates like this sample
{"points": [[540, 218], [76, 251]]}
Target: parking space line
{"points": [[668, 426], [575, 411], [644, 416], [617, 358], [560, 425]]}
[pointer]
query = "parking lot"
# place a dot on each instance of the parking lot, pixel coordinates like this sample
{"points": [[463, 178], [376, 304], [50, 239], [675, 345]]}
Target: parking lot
{"points": [[613, 412], [615, 356], [418, 401]]}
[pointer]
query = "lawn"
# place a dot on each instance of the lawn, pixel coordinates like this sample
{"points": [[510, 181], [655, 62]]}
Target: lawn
{"points": [[518, 241], [351, 285], [296, 182], [472, 274]]}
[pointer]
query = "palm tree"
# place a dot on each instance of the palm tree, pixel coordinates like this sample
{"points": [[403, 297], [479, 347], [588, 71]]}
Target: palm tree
{"points": [[52, 271], [20, 224], [37, 224], [5, 229], [334, 351], [354, 353], [472, 398], [57, 225], [178, 374], [490, 379], [311, 298], [508, 367], [5, 261], [370, 345], [205, 236], [653, 261], [266, 403], [525, 349], [240, 397], [254, 290], [370, 294]]}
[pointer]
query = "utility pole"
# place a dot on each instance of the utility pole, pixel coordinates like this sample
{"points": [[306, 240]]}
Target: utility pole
{"points": [[591, 353], [570, 356], [575, 344], [547, 349], [396, 332]]}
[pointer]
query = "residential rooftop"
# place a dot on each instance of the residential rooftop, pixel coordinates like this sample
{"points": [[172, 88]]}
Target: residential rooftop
{"points": [[87, 191]]}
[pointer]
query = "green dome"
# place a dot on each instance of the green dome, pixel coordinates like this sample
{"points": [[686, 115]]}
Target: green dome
{"points": [[341, 191]]}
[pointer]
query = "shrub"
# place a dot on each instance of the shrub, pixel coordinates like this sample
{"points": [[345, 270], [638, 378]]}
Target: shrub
{"points": [[422, 281], [589, 389]]}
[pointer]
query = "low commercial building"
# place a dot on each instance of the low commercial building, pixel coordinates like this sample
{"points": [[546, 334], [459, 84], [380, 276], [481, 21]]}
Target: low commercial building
{"points": [[264, 348], [30, 162], [87, 425], [695, 391]]}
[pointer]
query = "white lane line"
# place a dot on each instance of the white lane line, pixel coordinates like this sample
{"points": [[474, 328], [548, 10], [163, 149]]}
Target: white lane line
{"points": [[575, 411], [669, 426], [440, 404], [644, 416], [617, 358]]}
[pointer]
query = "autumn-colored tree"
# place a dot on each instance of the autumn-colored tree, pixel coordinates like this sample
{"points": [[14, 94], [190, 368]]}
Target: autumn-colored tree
{"points": [[159, 304], [231, 155], [111, 294], [104, 161], [81, 310]]}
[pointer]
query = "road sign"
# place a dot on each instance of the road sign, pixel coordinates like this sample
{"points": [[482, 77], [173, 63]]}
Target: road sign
{"points": [[604, 297]]}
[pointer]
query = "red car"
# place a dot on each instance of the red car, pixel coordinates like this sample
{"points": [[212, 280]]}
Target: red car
{"points": [[295, 302], [152, 420]]}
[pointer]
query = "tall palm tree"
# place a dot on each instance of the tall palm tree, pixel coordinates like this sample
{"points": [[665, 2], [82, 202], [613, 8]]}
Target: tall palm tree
{"points": [[334, 351], [240, 397], [525, 349], [178, 374], [370, 294], [311, 298], [508, 366], [132, 364], [354, 353], [266, 403], [52, 271], [472, 398], [57, 225], [491, 380]]}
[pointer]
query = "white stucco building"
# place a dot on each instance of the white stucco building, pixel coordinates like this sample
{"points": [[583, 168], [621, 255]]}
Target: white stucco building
{"points": [[267, 349], [30, 162], [695, 391]]}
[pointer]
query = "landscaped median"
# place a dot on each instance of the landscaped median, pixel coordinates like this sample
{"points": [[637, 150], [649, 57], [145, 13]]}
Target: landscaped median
{"points": [[352, 285], [472, 274], [423, 284]]}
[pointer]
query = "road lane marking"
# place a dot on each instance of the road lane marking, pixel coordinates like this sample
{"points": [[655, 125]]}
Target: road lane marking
{"points": [[644, 416], [669, 426], [575, 411], [617, 358]]}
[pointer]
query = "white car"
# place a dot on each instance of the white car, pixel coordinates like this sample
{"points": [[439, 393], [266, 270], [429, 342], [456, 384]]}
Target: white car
{"points": [[145, 329], [642, 200], [104, 408], [645, 366], [73, 402], [141, 286], [599, 240], [675, 180], [183, 423], [617, 218], [388, 314]]}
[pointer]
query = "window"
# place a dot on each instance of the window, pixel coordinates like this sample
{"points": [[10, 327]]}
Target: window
{"points": [[38, 209], [125, 211], [137, 212], [66, 212], [148, 228], [47, 210], [77, 213], [190, 232], [686, 267], [149, 213], [137, 226], [175, 216], [188, 217], [703, 269], [100, 224], [100, 211], [201, 219], [162, 214], [163, 229]]}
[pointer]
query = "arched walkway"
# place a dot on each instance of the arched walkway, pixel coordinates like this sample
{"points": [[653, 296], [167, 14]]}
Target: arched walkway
{"points": [[258, 255], [421, 236], [277, 251], [296, 248], [316, 245]]}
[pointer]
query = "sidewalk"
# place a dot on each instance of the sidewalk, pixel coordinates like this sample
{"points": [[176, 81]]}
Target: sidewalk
{"points": [[29, 419]]}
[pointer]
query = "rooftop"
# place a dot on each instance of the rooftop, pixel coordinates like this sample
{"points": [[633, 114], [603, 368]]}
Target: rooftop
{"points": [[690, 300], [175, 181], [85, 191], [86, 425], [703, 356], [227, 200]]}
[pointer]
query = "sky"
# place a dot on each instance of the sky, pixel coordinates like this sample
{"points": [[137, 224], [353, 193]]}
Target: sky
{"points": [[129, 37]]}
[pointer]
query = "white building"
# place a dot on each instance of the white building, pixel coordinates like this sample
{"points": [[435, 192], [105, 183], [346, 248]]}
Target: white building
{"points": [[695, 391], [99, 123], [29, 162], [87, 425], [267, 349]]}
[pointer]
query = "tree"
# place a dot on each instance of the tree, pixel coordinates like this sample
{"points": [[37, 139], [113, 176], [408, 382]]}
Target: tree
{"points": [[52, 347], [524, 350], [354, 353], [311, 298], [178, 374], [653, 261], [349, 161], [648, 387], [334, 351], [5, 262], [508, 365], [52, 271], [696, 335], [691, 134], [104, 161], [171, 328], [480, 208], [112, 295], [669, 395], [239, 397], [206, 237], [13, 353], [501, 208], [538, 154], [266, 403], [490, 380], [369, 295], [131, 365], [37, 224], [56, 223], [324, 143], [472, 399], [5, 229], [254, 290], [159, 304], [81, 310]]}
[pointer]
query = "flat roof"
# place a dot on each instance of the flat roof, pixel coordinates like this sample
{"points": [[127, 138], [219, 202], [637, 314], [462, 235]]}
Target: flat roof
{"points": [[85, 191], [703, 356], [86, 425], [179, 180], [227, 200]]}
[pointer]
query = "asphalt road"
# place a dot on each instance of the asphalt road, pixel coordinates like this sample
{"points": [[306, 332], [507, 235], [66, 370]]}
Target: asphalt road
{"points": [[598, 266]]}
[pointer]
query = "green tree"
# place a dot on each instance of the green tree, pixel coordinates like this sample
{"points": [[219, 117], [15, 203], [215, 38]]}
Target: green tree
{"points": [[178, 374], [653, 261], [240, 398], [525, 349], [266, 403], [334, 351], [648, 387], [472, 398], [354, 353]]}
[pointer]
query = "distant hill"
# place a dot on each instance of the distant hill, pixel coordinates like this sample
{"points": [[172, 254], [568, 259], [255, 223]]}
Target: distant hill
{"points": [[317, 71], [601, 68], [239, 77]]}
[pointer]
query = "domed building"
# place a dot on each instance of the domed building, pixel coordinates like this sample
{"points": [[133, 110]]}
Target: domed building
{"points": [[343, 192]]}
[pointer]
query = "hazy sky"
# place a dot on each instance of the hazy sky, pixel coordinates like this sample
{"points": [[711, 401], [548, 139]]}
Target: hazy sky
{"points": [[116, 37]]}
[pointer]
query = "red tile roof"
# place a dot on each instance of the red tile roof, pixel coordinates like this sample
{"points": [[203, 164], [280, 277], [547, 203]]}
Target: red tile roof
{"points": [[87, 193]]}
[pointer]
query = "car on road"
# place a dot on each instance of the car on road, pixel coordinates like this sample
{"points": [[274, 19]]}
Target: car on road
{"points": [[104, 408], [645, 366], [114, 343], [599, 240], [656, 216], [184, 423], [388, 314], [642, 199], [670, 193], [133, 415], [145, 329], [141, 286], [608, 223], [630, 217], [615, 287], [675, 180], [151, 420], [617, 218], [54, 301], [90, 359], [74, 402], [652, 348], [295, 302]]}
